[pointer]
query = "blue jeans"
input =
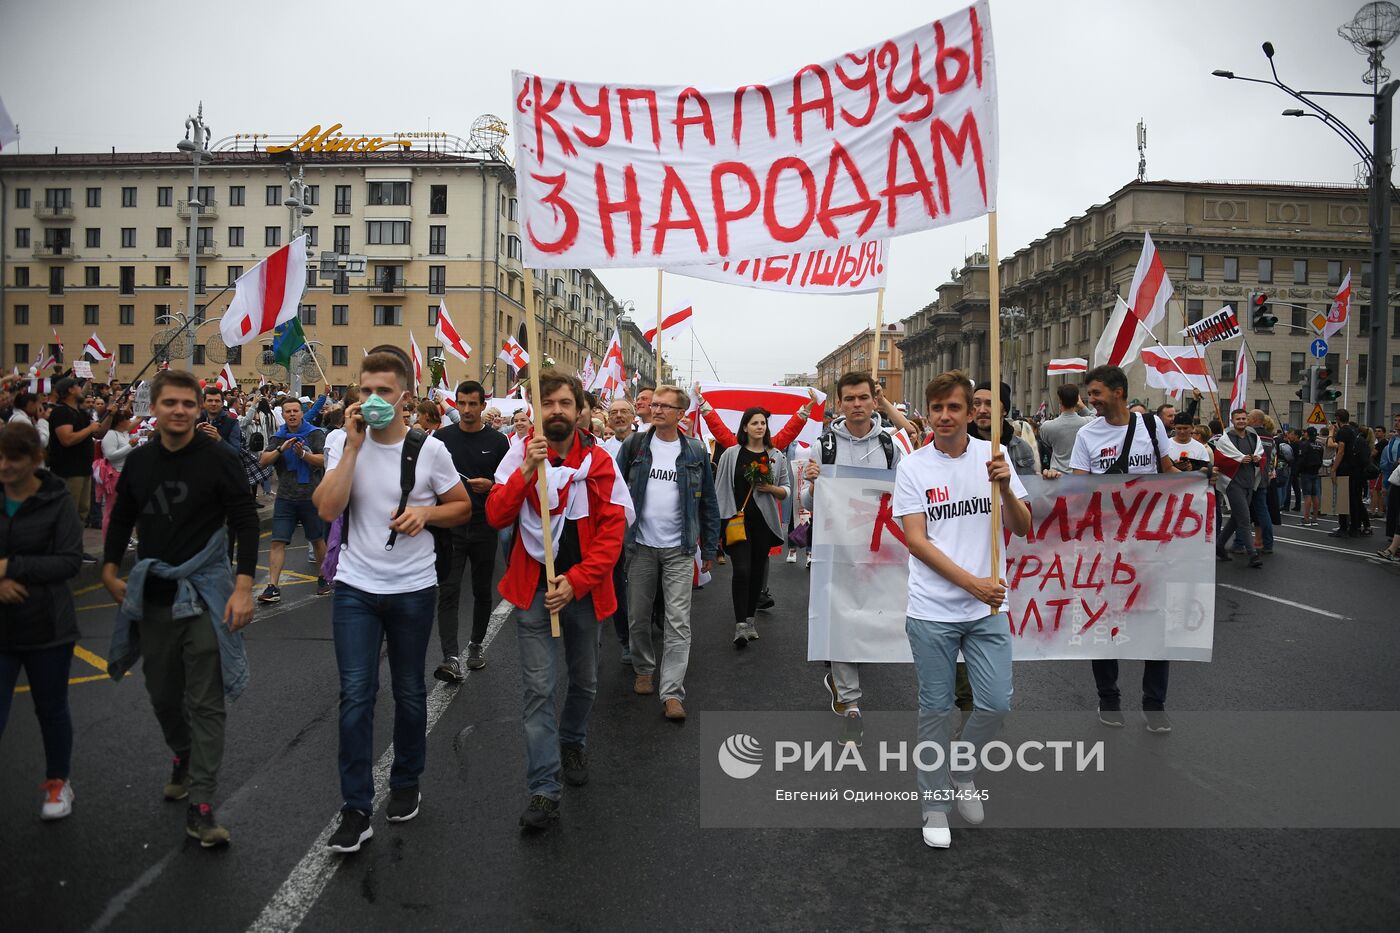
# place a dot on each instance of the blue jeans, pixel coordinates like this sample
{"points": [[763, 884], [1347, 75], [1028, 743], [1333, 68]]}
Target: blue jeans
{"points": [[986, 646], [542, 663], [288, 513], [1259, 508], [361, 622], [48, 685]]}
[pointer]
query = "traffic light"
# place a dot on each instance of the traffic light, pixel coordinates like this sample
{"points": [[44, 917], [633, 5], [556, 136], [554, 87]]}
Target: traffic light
{"points": [[1307, 384], [1325, 390], [1260, 318]]}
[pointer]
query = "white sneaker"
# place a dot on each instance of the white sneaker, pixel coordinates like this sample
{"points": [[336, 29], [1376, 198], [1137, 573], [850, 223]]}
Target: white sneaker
{"points": [[310, 554], [58, 799], [792, 557], [969, 806], [741, 635], [751, 630], [936, 832]]}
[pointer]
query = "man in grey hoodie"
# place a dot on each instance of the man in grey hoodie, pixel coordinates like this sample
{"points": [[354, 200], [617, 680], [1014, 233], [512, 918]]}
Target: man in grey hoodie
{"points": [[855, 439]]}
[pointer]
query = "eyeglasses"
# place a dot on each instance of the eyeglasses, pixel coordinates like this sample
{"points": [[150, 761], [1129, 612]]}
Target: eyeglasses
{"points": [[664, 407]]}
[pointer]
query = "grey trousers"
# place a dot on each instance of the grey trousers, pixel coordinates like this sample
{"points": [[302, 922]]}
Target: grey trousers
{"points": [[674, 569], [846, 674], [1238, 524]]}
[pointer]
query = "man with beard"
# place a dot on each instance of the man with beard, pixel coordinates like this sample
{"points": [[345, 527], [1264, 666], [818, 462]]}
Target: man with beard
{"points": [[1023, 456]]}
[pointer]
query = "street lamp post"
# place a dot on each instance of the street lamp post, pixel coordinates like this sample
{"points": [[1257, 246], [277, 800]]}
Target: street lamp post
{"points": [[1371, 31], [198, 149]]}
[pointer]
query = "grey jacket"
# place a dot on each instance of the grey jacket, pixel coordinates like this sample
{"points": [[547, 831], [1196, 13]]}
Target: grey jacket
{"points": [[864, 451], [768, 505]]}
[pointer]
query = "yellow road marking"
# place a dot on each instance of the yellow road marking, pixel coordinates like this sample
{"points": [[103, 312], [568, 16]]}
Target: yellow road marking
{"points": [[96, 606], [87, 589], [76, 680], [89, 657]]}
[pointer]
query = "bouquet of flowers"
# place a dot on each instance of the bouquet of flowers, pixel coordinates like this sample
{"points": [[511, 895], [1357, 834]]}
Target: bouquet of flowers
{"points": [[759, 472]]}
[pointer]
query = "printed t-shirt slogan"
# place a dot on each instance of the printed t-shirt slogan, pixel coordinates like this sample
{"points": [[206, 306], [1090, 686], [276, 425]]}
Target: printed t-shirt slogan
{"points": [[892, 138]]}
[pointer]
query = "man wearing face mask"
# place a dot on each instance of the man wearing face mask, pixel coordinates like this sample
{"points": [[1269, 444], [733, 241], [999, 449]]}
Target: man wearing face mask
{"points": [[386, 584]]}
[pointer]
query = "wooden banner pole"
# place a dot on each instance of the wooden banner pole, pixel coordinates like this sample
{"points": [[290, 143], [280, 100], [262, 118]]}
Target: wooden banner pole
{"points": [[659, 333], [879, 326], [536, 363], [994, 351]]}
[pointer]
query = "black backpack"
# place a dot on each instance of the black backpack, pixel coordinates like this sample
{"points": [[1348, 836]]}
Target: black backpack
{"points": [[828, 445], [1310, 458]]}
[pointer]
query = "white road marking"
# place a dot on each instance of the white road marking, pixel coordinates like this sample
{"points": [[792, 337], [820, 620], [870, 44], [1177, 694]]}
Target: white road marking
{"points": [[299, 893], [1321, 547], [1286, 602]]}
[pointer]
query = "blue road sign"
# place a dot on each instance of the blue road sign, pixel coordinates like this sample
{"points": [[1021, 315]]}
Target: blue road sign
{"points": [[1318, 348]]}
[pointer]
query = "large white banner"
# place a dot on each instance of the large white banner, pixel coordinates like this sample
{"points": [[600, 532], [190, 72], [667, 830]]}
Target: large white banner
{"points": [[1115, 567], [892, 138], [846, 270], [730, 400]]}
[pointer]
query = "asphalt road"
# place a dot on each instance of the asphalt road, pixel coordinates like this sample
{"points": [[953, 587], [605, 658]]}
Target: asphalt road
{"points": [[1314, 630]]}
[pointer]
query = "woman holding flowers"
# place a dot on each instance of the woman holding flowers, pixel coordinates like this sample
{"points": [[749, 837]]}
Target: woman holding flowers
{"points": [[751, 482]]}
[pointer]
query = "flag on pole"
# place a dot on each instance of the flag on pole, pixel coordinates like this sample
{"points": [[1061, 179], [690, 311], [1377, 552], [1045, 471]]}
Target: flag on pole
{"points": [[587, 373], [1340, 310], [58, 341], [1177, 368], [40, 386], [1144, 309], [416, 355], [678, 321], [42, 362], [96, 348], [287, 339], [266, 295], [1239, 392], [1075, 364], [9, 133], [226, 380], [451, 338], [444, 389], [612, 372], [1222, 325], [514, 354]]}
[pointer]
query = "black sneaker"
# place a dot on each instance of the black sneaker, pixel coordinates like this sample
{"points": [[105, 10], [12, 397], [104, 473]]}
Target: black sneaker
{"points": [[540, 814], [200, 824], [766, 601], [575, 765], [89, 559], [1223, 557], [450, 671], [1113, 718], [270, 595], [178, 788], [1157, 721], [354, 829], [476, 657], [323, 586], [852, 729], [1256, 561], [403, 804]]}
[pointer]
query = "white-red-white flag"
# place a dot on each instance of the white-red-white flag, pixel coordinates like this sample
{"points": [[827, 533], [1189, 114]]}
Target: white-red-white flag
{"points": [[451, 338], [586, 374], [226, 380], [444, 393], [514, 354], [1075, 364], [9, 133], [416, 356], [1177, 368], [96, 349], [730, 401], [38, 386], [266, 295], [1239, 391], [58, 342], [612, 372], [677, 322], [1340, 309], [1147, 304]]}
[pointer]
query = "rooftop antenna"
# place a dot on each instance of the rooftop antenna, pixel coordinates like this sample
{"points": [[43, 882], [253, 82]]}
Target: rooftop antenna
{"points": [[1142, 149]]}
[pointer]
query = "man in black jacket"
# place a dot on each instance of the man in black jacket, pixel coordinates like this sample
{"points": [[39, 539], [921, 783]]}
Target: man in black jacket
{"points": [[181, 489]]}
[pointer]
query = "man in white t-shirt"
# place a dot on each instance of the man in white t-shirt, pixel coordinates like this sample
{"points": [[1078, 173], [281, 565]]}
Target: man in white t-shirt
{"points": [[957, 602], [1119, 441], [1187, 453], [385, 586]]}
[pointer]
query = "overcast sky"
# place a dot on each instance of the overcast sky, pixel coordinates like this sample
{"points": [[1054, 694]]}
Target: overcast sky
{"points": [[1074, 77]]}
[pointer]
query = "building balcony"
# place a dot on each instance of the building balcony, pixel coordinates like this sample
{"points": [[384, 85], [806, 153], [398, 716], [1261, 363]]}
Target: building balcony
{"points": [[58, 253], [211, 209], [387, 287], [204, 250], [51, 213]]}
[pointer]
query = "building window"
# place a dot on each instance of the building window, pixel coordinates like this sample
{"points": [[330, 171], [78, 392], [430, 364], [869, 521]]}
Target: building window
{"points": [[1064, 337], [162, 276], [235, 236], [437, 240], [1333, 364], [312, 236], [308, 314], [342, 240], [1262, 371], [390, 232], [513, 247], [127, 280], [1232, 268], [163, 237], [1300, 272], [1299, 317], [22, 198], [340, 356], [1365, 275], [1195, 310], [21, 314], [90, 315], [22, 353], [1227, 366], [235, 195], [1084, 325], [1361, 360], [1266, 271], [55, 315], [388, 315], [1395, 325], [272, 236], [198, 358], [1334, 272], [234, 272], [342, 199], [128, 237], [1195, 268], [92, 238], [56, 280], [126, 315], [126, 353], [94, 197], [92, 277], [21, 276], [129, 196], [340, 315], [311, 194], [511, 209], [433, 315], [340, 285], [273, 196], [388, 192], [22, 237], [159, 312], [437, 280], [437, 199]]}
